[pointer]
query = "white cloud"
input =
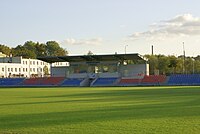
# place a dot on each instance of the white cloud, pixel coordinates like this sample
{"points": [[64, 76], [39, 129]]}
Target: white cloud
{"points": [[93, 41], [181, 25]]}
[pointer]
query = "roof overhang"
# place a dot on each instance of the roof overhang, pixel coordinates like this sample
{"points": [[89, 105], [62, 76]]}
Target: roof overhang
{"points": [[86, 58]]}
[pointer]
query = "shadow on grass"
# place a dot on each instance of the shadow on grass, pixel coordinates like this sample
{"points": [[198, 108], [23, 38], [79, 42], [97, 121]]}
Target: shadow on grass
{"points": [[140, 92], [110, 95], [182, 107], [112, 113]]}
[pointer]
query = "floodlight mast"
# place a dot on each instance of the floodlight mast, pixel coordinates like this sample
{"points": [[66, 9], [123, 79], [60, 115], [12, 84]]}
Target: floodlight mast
{"points": [[184, 58]]}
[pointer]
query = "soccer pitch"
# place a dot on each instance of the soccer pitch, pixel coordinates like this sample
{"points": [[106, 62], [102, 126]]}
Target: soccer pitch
{"points": [[117, 110]]}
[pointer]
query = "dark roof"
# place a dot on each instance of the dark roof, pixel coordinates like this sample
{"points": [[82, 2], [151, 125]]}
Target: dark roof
{"points": [[85, 58]]}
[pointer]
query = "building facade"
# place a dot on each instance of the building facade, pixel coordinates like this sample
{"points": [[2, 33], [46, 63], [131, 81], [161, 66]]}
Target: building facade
{"points": [[11, 67]]}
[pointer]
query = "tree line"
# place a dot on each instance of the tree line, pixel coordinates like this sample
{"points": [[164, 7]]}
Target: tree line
{"points": [[159, 64], [166, 65], [33, 50]]}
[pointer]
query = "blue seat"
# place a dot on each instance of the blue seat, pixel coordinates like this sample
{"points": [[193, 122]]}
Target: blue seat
{"points": [[72, 82], [105, 82], [11, 81], [184, 79]]}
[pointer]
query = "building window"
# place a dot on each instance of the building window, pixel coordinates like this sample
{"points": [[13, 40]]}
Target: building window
{"points": [[26, 62], [30, 69], [33, 69], [8, 69], [11, 69], [37, 62], [26, 70], [15, 69], [23, 62], [30, 62], [33, 62], [23, 69], [19, 69], [2, 69]]}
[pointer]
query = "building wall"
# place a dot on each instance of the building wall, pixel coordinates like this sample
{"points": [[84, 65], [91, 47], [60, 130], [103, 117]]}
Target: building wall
{"points": [[60, 64], [59, 71], [10, 59], [135, 70], [131, 70], [19, 67]]}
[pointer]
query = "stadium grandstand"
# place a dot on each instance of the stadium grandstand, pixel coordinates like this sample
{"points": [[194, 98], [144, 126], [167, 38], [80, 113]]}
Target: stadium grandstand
{"points": [[98, 70], [101, 70]]}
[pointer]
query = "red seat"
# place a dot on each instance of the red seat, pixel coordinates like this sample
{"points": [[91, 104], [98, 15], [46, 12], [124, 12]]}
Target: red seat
{"points": [[129, 81], [153, 79], [52, 80], [44, 81]]}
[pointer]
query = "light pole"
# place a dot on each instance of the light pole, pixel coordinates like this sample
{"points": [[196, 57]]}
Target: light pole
{"points": [[125, 48], [184, 69]]}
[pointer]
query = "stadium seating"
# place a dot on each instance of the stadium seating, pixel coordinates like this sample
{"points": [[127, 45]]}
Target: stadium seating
{"points": [[104, 82], [184, 79], [146, 80], [33, 81], [52, 81], [10, 81], [45, 81], [72, 82], [153, 79], [129, 82], [177, 79]]}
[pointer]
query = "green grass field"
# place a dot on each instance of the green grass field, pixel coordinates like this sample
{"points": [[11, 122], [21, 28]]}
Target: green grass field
{"points": [[100, 110]]}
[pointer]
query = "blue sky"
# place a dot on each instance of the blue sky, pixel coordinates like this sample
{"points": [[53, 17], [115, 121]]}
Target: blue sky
{"points": [[104, 26]]}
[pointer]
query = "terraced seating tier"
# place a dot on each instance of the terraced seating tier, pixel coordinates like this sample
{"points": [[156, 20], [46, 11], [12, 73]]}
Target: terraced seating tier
{"points": [[44, 81], [129, 81], [153, 79], [52, 81], [33, 81], [10, 81], [105, 82], [72, 82], [184, 79]]}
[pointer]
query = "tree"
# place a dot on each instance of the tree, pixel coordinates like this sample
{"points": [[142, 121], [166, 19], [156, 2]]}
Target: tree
{"points": [[54, 49], [163, 64], [30, 45], [5, 49], [33, 50], [179, 67], [90, 53], [153, 63], [46, 70], [197, 66], [24, 52], [173, 62], [40, 49]]}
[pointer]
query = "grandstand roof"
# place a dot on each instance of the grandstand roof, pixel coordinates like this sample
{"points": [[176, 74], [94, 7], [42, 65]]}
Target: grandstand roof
{"points": [[85, 58]]}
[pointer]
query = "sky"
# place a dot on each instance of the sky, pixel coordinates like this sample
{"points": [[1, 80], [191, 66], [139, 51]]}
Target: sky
{"points": [[104, 26]]}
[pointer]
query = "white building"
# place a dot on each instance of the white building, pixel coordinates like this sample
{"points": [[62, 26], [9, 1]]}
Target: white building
{"points": [[20, 67]]}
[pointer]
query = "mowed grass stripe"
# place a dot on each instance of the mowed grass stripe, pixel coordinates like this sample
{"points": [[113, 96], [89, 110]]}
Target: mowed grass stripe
{"points": [[100, 110]]}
